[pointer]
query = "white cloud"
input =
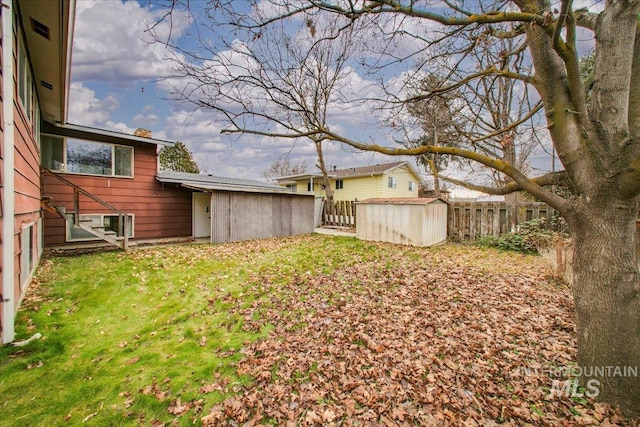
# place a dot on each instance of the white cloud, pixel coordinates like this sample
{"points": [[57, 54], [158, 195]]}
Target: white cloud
{"points": [[110, 42], [148, 120], [119, 127], [86, 109]]}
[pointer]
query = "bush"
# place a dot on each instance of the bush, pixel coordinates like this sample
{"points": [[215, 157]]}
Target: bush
{"points": [[529, 238]]}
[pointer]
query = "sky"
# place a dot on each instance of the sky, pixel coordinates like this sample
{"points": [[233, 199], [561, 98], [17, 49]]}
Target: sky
{"points": [[115, 85]]}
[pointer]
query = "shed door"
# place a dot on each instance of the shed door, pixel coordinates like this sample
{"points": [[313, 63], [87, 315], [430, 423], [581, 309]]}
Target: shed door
{"points": [[201, 215]]}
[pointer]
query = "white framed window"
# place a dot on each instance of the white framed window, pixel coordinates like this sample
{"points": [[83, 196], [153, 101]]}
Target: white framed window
{"points": [[339, 184], [292, 187], [26, 254], [393, 182], [26, 92], [36, 120], [86, 157], [105, 223], [412, 186]]}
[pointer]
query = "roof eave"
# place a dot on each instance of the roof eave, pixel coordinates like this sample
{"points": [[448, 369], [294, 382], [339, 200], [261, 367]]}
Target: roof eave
{"points": [[93, 134]]}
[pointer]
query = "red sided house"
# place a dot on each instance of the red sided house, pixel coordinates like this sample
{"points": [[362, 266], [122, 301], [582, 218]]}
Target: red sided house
{"points": [[63, 184]]}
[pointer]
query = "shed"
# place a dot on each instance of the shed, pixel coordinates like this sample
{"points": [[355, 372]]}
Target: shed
{"points": [[408, 221], [232, 209]]}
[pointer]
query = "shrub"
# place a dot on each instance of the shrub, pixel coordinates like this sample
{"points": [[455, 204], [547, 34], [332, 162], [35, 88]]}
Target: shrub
{"points": [[530, 237]]}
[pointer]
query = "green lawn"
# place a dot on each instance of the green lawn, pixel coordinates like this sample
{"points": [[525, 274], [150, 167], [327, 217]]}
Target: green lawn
{"points": [[306, 330], [127, 334]]}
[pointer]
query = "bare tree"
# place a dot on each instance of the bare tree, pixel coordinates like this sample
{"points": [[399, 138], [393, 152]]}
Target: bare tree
{"points": [[276, 82], [598, 143], [284, 166]]}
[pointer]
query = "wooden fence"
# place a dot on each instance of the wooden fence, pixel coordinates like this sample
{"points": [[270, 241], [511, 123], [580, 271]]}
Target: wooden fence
{"points": [[467, 220], [341, 213], [471, 220]]}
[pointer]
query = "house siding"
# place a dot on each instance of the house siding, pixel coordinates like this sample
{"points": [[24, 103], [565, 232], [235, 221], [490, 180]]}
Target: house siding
{"points": [[358, 188], [2, 187], [27, 196], [160, 210], [365, 187], [403, 176], [25, 192]]}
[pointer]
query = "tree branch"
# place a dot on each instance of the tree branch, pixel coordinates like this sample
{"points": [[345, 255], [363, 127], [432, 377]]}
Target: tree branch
{"points": [[499, 165], [393, 6], [487, 72], [586, 19], [555, 178], [512, 126]]}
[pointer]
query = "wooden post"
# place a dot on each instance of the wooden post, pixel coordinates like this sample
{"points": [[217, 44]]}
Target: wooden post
{"points": [[125, 234], [76, 205]]}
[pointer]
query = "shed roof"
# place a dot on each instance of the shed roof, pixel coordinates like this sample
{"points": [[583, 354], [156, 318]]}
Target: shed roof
{"points": [[402, 201], [210, 183]]}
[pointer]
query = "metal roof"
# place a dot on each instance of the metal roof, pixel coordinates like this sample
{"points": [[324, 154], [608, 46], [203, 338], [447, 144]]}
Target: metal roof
{"points": [[210, 183], [402, 201]]}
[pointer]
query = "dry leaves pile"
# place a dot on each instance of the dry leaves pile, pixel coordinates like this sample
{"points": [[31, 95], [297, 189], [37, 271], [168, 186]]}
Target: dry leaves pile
{"points": [[400, 341]]}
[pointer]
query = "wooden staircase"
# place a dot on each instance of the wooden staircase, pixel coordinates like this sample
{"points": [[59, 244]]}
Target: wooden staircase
{"points": [[118, 238]]}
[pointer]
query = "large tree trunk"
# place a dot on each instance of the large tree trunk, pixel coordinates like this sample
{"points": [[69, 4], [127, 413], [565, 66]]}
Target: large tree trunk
{"points": [[607, 298]]}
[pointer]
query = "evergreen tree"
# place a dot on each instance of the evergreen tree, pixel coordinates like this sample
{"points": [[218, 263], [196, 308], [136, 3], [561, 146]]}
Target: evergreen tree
{"points": [[178, 158]]}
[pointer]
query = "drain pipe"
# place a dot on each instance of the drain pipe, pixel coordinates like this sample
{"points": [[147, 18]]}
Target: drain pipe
{"points": [[8, 186]]}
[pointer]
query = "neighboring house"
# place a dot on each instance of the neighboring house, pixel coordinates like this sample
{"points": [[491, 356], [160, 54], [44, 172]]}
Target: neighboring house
{"points": [[96, 185], [397, 179]]}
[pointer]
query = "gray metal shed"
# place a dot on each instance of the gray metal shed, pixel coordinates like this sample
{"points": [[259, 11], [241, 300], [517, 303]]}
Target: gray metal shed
{"points": [[409, 221], [240, 209]]}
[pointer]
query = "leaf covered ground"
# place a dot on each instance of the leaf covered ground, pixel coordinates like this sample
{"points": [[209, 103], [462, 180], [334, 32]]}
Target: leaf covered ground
{"points": [[311, 330]]}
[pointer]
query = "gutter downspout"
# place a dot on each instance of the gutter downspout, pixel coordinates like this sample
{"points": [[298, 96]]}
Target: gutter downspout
{"points": [[8, 185], [68, 49]]}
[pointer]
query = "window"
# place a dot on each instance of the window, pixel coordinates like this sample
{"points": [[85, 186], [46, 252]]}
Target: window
{"points": [[85, 157], [292, 187], [105, 223], [52, 153], [339, 184], [26, 254], [25, 79], [309, 187], [94, 159], [393, 182], [412, 186]]}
